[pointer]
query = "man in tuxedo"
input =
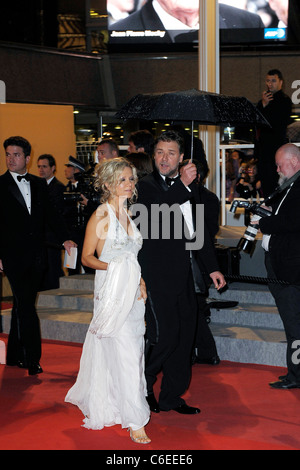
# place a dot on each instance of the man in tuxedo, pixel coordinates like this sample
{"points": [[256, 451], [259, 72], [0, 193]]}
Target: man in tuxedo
{"points": [[282, 257], [25, 211], [46, 167], [170, 272], [177, 18]]}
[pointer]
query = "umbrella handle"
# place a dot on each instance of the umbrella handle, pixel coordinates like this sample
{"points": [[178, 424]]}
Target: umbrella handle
{"points": [[192, 141]]}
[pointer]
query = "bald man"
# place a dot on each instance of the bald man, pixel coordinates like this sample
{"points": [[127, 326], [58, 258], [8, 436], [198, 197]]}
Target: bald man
{"points": [[282, 256]]}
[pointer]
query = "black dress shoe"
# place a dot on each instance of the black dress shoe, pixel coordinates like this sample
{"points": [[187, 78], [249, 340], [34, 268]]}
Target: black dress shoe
{"points": [[20, 364], [284, 384], [152, 402], [186, 409], [214, 360], [282, 377], [34, 369], [215, 303]]}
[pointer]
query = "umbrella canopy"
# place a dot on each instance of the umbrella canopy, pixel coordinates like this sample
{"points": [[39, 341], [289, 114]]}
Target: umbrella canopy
{"points": [[193, 105]]}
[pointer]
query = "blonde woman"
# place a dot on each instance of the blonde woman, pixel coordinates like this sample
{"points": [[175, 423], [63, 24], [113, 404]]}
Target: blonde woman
{"points": [[110, 388]]}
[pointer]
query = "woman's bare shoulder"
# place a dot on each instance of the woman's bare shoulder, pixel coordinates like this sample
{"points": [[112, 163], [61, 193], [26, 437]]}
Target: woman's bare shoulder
{"points": [[101, 212]]}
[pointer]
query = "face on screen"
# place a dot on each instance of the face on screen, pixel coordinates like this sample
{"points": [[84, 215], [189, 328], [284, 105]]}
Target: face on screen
{"points": [[157, 22]]}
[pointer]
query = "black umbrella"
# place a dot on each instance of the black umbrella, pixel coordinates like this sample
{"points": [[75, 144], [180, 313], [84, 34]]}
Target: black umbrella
{"points": [[193, 105]]}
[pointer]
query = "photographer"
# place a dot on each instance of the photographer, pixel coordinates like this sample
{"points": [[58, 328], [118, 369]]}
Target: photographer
{"points": [[77, 210], [282, 257], [248, 185]]}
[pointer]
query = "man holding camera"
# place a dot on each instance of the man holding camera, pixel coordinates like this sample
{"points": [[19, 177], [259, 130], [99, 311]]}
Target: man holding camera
{"points": [[75, 206], [282, 257]]}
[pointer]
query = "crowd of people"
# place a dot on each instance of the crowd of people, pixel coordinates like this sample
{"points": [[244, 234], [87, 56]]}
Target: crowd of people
{"points": [[150, 288]]}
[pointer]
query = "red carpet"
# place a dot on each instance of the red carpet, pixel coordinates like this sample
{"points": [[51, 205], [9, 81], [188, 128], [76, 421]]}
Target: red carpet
{"points": [[5, 305], [239, 410]]}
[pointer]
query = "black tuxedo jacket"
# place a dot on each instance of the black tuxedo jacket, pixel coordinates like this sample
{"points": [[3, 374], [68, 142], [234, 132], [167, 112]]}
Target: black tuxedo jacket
{"points": [[56, 191], [22, 235], [147, 19], [284, 228], [166, 262]]}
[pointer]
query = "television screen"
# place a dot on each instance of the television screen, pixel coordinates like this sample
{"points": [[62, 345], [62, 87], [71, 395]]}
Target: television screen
{"points": [[174, 24]]}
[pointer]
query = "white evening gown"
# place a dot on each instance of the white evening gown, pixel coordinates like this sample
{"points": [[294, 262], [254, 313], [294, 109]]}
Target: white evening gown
{"points": [[111, 387]]}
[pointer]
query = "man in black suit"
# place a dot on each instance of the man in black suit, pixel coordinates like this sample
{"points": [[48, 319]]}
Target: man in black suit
{"points": [[25, 211], [176, 18], [46, 167], [169, 269], [276, 107], [282, 255]]}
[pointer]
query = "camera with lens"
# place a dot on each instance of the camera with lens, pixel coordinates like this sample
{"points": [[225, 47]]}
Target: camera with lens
{"points": [[84, 187], [247, 242]]}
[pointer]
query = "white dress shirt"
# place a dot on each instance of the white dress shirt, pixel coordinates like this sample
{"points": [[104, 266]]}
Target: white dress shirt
{"points": [[266, 238], [186, 210], [24, 187]]}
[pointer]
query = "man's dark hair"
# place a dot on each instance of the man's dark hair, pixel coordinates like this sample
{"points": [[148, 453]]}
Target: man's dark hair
{"points": [[143, 139], [276, 72], [169, 136], [112, 144], [18, 142], [50, 158]]}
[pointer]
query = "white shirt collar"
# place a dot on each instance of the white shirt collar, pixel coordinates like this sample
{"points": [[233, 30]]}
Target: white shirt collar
{"points": [[49, 180], [170, 22], [15, 177]]}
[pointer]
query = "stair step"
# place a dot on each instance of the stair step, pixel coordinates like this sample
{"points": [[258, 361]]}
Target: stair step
{"points": [[244, 293], [250, 345], [255, 315], [78, 281], [66, 299], [56, 324]]}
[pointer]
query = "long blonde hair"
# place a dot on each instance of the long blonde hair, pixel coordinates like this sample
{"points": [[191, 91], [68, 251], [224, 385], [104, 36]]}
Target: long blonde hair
{"points": [[107, 173]]}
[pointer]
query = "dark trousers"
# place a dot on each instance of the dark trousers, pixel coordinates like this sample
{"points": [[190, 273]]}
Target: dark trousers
{"points": [[287, 299], [175, 316], [54, 269], [24, 341], [205, 346]]}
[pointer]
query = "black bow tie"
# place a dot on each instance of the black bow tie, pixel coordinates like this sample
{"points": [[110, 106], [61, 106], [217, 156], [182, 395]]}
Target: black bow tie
{"points": [[26, 177], [169, 181]]}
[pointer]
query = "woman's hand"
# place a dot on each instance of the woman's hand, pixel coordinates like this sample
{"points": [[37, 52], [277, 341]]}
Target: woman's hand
{"points": [[143, 290]]}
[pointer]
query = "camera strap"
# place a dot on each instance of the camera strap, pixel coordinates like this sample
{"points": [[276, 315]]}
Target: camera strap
{"points": [[284, 186]]}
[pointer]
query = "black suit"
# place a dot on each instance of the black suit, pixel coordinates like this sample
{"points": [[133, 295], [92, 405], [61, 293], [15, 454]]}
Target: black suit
{"points": [[167, 271], [54, 249], [22, 250], [147, 19], [205, 345], [283, 263], [278, 114]]}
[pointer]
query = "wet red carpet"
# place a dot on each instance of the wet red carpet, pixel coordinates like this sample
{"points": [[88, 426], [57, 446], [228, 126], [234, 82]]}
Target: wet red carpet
{"points": [[239, 410]]}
